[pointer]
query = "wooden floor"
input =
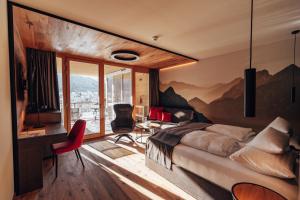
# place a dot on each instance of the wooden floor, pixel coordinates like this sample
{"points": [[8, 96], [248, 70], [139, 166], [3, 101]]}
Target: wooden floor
{"points": [[104, 178]]}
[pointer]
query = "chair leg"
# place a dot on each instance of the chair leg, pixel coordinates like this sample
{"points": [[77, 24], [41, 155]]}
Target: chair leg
{"points": [[124, 135], [117, 138], [129, 137], [56, 166], [80, 158], [76, 154]]}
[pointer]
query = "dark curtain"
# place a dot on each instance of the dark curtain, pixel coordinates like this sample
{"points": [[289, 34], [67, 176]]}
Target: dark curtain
{"points": [[42, 79], [154, 87]]}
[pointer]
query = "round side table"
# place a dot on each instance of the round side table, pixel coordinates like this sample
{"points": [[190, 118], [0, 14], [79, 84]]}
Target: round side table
{"points": [[145, 127], [251, 191]]}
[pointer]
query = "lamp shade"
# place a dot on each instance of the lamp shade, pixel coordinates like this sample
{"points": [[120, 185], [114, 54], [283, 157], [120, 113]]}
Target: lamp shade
{"points": [[250, 92]]}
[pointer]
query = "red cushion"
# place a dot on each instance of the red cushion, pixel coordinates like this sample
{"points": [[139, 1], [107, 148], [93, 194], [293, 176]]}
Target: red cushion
{"points": [[166, 117], [159, 115], [74, 141], [62, 147], [153, 112]]}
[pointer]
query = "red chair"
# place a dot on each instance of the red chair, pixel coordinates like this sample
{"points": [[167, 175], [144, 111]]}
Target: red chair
{"points": [[75, 139]]}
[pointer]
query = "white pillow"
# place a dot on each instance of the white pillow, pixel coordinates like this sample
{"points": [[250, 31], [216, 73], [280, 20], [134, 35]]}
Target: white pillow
{"points": [[270, 140], [278, 165], [239, 133], [281, 125], [211, 142]]}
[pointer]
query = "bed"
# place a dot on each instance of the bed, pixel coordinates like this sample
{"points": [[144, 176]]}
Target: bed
{"points": [[207, 176]]}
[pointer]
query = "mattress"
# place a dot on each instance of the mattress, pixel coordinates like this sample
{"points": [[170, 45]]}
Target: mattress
{"points": [[225, 172]]}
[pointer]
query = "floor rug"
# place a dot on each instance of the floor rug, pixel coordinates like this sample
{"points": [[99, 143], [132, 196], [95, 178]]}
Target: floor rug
{"points": [[110, 149]]}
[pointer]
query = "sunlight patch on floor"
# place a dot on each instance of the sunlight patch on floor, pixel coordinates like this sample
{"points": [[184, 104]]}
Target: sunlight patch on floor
{"points": [[139, 169], [127, 181]]}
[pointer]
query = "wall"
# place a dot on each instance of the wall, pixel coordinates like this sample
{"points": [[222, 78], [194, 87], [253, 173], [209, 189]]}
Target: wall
{"points": [[6, 161], [214, 86]]}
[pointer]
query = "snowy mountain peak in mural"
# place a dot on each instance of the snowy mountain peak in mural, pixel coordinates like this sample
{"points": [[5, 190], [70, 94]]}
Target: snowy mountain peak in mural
{"points": [[223, 102]]}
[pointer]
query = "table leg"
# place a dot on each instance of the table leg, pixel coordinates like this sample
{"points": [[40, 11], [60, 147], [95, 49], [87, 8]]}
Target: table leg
{"points": [[142, 135]]}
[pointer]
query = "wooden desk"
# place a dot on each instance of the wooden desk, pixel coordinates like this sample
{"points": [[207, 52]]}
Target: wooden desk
{"points": [[30, 162]]}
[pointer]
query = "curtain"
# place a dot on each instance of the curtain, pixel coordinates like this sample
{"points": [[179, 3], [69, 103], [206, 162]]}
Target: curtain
{"points": [[43, 94], [154, 87]]}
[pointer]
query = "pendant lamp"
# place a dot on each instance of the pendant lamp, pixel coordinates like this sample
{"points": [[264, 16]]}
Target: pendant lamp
{"points": [[250, 80], [294, 66]]}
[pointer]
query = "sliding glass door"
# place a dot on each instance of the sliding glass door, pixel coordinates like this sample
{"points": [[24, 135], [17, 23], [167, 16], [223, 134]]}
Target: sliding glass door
{"points": [[118, 89], [89, 91], [84, 95]]}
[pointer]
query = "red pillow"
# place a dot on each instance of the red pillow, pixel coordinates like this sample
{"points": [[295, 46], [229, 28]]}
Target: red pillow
{"points": [[153, 112], [159, 115], [166, 117]]}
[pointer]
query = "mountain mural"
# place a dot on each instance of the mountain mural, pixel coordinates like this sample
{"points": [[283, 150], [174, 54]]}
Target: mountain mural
{"points": [[197, 104], [169, 98], [237, 90], [272, 99], [206, 94]]}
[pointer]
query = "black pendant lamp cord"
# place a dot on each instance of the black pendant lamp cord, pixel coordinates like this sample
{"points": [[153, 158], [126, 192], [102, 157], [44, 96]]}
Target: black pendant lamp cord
{"points": [[293, 75], [294, 67], [251, 27], [295, 42]]}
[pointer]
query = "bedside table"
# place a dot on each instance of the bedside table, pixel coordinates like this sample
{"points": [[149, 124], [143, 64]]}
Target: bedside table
{"points": [[251, 191]]}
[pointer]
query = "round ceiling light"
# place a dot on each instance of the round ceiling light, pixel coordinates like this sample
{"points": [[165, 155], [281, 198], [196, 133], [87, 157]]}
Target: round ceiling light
{"points": [[125, 55]]}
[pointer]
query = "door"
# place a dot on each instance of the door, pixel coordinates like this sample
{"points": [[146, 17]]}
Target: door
{"points": [[118, 89], [84, 96]]}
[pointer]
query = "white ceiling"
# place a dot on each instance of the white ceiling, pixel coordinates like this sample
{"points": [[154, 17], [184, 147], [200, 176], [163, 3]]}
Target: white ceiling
{"points": [[196, 28]]}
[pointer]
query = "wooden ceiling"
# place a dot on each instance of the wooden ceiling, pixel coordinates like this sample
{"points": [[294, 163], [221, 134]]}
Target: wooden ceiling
{"points": [[49, 33]]}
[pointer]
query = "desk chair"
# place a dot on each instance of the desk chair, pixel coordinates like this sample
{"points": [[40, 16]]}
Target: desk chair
{"points": [[75, 139]]}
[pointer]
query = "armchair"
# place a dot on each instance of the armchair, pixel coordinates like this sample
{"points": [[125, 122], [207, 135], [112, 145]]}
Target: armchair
{"points": [[123, 124]]}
